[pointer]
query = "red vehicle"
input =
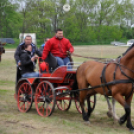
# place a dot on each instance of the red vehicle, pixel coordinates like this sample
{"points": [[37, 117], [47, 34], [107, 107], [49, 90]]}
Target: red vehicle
{"points": [[52, 88]]}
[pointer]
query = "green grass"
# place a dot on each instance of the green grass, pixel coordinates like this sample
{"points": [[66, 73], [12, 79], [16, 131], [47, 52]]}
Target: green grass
{"points": [[3, 91]]}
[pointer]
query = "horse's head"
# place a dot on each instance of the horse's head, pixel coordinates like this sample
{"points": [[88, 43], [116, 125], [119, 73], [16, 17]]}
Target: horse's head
{"points": [[2, 50]]}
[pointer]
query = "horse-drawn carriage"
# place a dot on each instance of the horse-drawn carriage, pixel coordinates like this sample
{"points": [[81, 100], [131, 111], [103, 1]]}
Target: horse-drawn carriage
{"points": [[114, 79], [54, 86]]}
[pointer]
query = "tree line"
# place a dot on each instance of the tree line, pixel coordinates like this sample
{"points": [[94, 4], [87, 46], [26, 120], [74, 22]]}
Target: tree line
{"points": [[88, 21]]}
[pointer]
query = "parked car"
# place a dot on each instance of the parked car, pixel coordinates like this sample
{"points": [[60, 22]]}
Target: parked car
{"points": [[117, 43], [130, 42], [7, 40]]}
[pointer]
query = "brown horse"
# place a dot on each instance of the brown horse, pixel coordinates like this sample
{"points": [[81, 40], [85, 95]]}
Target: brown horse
{"points": [[2, 50], [119, 78]]}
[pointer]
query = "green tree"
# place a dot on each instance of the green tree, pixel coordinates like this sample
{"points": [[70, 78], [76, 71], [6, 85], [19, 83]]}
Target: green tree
{"points": [[9, 19]]}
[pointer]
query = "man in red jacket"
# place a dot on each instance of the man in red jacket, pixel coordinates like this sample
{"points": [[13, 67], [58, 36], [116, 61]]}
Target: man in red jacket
{"points": [[59, 47]]}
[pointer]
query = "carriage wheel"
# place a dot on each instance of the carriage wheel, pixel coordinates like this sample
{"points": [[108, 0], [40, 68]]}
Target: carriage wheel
{"points": [[25, 97], [63, 102], [91, 100], [45, 99]]}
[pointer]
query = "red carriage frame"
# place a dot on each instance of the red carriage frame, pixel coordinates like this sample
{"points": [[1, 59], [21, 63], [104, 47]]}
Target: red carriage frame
{"points": [[47, 90]]}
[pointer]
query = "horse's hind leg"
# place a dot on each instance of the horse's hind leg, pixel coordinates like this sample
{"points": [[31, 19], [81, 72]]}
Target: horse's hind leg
{"points": [[111, 108], [116, 118], [90, 108], [110, 112], [85, 95], [82, 99]]}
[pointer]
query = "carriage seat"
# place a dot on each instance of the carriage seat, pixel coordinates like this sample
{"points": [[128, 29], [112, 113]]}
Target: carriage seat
{"points": [[51, 63]]}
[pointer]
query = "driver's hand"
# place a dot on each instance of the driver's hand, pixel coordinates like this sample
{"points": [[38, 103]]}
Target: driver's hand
{"points": [[36, 57], [19, 63], [68, 52], [32, 59]]}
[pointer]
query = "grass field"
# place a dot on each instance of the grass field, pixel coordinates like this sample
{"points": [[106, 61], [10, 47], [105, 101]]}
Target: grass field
{"points": [[69, 122]]}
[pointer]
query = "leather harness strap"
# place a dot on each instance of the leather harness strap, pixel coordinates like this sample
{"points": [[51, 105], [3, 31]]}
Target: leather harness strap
{"points": [[103, 81], [105, 84], [103, 78]]}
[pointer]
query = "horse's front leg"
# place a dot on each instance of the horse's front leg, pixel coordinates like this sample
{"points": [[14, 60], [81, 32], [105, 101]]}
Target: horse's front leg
{"points": [[127, 116], [128, 113], [122, 101]]}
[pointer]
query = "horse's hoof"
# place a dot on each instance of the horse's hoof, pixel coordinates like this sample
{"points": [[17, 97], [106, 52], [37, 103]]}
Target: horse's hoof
{"points": [[121, 121], [86, 118], [128, 126], [116, 118], [131, 130], [87, 122], [109, 114]]}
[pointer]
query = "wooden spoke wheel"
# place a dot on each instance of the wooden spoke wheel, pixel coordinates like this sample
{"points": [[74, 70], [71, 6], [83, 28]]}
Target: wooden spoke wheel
{"points": [[91, 100], [25, 97], [63, 101], [45, 99]]}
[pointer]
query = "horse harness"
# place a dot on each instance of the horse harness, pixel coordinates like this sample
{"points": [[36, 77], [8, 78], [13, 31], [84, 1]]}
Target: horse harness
{"points": [[105, 84]]}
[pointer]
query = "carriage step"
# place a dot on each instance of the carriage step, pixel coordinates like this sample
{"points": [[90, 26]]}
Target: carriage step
{"points": [[64, 93], [61, 87]]}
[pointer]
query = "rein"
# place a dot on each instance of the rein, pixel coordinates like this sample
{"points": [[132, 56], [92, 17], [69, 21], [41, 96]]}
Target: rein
{"points": [[98, 86], [76, 55]]}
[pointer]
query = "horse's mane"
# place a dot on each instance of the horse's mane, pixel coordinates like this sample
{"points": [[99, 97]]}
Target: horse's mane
{"points": [[128, 50]]}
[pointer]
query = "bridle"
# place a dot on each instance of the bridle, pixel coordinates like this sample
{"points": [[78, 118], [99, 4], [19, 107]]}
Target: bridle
{"points": [[94, 58]]}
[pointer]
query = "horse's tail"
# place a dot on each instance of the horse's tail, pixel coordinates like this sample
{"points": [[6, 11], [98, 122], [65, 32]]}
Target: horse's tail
{"points": [[74, 87]]}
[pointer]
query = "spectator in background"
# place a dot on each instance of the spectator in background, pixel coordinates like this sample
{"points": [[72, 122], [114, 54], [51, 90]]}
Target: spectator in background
{"points": [[28, 62], [27, 41], [42, 46]]}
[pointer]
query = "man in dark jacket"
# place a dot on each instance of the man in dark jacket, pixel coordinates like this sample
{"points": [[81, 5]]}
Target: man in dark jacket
{"points": [[28, 40], [27, 63]]}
